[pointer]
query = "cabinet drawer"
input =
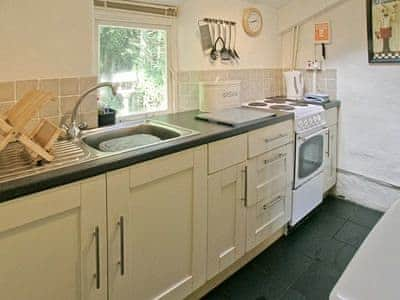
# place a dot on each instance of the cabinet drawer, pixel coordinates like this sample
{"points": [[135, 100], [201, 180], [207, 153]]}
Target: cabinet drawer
{"points": [[269, 138], [332, 116], [270, 217], [268, 176], [227, 153]]}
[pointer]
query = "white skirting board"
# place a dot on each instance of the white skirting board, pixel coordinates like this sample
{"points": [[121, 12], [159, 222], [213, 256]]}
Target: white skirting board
{"points": [[366, 192]]}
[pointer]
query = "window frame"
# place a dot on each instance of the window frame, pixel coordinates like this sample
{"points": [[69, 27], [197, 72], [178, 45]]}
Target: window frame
{"points": [[114, 17]]}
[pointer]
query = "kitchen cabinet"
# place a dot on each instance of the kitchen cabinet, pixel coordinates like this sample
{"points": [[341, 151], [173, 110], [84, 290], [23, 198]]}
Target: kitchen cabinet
{"points": [[227, 153], [53, 244], [161, 229], [157, 227], [269, 187], [330, 169], [226, 218], [268, 138]]}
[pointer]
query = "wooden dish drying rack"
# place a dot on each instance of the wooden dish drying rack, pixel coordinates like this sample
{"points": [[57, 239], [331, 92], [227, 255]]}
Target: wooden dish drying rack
{"points": [[40, 141]]}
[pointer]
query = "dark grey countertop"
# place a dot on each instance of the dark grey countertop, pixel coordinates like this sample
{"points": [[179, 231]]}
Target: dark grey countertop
{"points": [[331, 104], [208, 132]]}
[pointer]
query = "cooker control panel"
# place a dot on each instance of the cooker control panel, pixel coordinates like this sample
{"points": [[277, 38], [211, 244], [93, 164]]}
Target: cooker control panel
{"points": [[310, 122]]}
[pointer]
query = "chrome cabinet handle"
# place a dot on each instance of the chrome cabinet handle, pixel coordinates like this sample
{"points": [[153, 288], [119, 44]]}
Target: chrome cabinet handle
{"points": [[280, 156], [96, 235], [279, 198], [275, 138], [245, 172], [122, 245], [266, 206]]}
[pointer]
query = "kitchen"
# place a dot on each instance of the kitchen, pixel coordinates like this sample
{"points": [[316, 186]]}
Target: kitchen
{"points": [[172, 202]]}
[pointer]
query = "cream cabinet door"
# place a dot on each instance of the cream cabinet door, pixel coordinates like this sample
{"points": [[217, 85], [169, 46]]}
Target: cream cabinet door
{"points": [[330, 171], [270, 180], [226, 219], [53, 244], [157, 227]]}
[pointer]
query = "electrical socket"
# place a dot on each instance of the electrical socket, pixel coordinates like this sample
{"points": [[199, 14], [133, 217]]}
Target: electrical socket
{"points": [[313, 65]]}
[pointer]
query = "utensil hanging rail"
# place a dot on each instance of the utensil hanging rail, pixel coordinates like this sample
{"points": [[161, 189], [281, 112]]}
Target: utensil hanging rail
{"points": [[217, 21]]}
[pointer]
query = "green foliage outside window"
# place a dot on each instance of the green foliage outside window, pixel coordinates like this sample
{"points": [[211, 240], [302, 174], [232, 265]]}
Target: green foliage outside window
{"points": [[135, 59]]}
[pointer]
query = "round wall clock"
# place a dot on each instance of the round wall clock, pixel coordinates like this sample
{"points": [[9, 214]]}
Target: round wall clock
{"points": [[252, 21]]}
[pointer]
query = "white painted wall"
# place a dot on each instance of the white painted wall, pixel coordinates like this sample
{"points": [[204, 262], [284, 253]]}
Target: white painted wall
{"points": [[298, 11], [54, 38], [45, 38], [259, 52], [370, 125]]}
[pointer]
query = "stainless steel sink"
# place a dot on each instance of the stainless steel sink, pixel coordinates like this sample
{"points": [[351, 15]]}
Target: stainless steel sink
{"points": [[132, 136], [15, 163]]}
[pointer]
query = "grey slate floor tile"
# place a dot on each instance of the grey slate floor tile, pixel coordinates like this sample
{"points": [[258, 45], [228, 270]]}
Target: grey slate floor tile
{"points": [[366, 217], [352, 234], [216, 294], [283, 267], [306, 264], [338, 208], [252, 283], [317, 282], [319, 225], [292, 294]]}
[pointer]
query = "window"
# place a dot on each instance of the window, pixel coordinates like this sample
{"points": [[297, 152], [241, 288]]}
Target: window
{"points": [[135, 57]]}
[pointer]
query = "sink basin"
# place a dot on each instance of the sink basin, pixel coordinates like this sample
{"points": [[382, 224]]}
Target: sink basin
{"points": [[133, 136]]}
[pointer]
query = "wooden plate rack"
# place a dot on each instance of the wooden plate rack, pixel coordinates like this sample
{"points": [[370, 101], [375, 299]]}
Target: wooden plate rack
{"points": [[12, 126]]}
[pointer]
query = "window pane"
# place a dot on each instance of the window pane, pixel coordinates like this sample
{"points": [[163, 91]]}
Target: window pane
{"points": [[311, 156], [135, 59]]}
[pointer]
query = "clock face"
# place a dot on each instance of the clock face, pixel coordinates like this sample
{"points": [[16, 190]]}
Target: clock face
{"points": [[252, 21]]}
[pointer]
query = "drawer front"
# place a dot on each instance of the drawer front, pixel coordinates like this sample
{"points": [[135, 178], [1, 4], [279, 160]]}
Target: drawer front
{"points": [[226, 153], [332, 116], [269, 138], [267, 210], [268, 176], [270, 218]]}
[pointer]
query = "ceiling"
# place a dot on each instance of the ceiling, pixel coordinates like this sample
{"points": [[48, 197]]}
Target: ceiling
{"points": [[274, 3]]}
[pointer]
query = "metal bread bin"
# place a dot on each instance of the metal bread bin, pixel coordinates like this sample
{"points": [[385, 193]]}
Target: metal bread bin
{"points": [[218, 95]]}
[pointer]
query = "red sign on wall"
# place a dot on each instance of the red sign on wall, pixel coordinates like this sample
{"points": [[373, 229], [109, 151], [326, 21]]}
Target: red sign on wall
{"points": [[322, 33]]}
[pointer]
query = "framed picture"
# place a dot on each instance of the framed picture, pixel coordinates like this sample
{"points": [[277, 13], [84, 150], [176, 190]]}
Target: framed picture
{"points": [[383, 19]]}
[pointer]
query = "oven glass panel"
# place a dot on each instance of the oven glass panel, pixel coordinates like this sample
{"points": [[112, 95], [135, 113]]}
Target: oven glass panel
{"points": [[311, 156]]}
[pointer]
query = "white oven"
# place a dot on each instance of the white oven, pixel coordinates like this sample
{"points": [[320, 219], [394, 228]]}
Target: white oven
{"points": [[310, 154], [309, 165]]}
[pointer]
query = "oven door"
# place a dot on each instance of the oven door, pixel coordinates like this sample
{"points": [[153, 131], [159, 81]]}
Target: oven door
{"points": [[310, 155]]}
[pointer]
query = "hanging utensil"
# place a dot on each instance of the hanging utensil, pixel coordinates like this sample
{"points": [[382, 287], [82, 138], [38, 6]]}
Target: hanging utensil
{"points": [[234, 42], [225, 55], [219, 39], [214, 52], [232, 55], [219, 42], [205, 35]]}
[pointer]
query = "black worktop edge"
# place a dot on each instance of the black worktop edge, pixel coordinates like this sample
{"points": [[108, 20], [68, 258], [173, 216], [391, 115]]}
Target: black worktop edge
{"points": [[332, 104], [55, 178]]}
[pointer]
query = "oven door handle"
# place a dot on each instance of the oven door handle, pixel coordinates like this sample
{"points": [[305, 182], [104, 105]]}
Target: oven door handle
{"points": [[328, 147]]}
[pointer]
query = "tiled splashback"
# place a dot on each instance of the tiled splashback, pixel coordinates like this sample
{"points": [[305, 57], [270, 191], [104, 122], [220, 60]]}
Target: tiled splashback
{"points": [[67, 92], [255, 84], [326, 82]]}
